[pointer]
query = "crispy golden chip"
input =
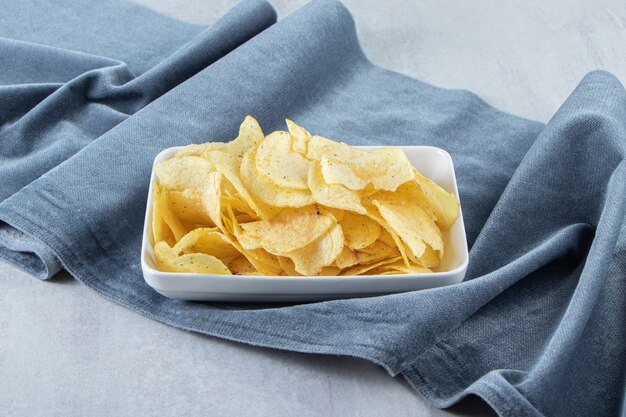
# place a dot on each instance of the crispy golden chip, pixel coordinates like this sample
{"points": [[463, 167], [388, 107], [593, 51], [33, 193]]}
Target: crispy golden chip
{"points": [[265, 191], [319, 146], [250, 135], [229, 167], [189, 207], [386, 238], [375, 252], [445, 206], [399, 267], [182, 173], [329, 271], [312, 258], [409, 191], [239, 207], [359, 231], [295, 204], [288, 267], [336, 213], [212, 198], [384, 169], [198, 149], [208, 241], [264, 262], [362, 269], [186, 243], [332, 195], [242, 266], [160, 230], [430, 258], [277, 162], [164, 254], [346, 258], [170, 219], [373, 214], [199, 263], [414, 226], [300, 137], [290, 230]]}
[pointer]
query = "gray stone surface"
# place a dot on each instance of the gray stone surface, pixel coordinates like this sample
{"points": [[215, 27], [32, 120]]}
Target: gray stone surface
{"points": [[66, 351]]}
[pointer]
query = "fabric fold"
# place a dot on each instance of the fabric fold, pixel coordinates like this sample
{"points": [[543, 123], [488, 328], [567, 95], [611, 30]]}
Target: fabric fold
{"points": [[531, 329], [70, 98], [577, 169]]}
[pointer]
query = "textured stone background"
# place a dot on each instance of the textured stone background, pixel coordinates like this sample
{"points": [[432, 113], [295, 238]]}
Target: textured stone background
{"points": [[64, 350]]}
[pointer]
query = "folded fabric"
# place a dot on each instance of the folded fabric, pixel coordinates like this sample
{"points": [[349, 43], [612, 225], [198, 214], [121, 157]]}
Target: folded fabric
{"points": [[537, 327]]}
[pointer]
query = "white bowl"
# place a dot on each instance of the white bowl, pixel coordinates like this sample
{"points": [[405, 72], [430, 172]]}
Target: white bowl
{"points": [[433, 162]]}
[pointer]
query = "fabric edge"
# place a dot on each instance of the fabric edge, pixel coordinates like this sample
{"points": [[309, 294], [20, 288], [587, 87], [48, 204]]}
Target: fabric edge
{"points": [[222, 330]]}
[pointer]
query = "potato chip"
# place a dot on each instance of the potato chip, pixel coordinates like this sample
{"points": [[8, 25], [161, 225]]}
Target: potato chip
{"points": [[329, 271], [164, 254], [231, 196], [188, 240], [182, 173], [199, 263], [362, 269], [277, 162], [409, 191], [336, 213], [312, 258], [296, 204], [189, 207], [412, 224], [265, 191], [160, 230], [359, 231], [288, 267], [242, 266], [444, 205], [209, 241], [430, 258], [229, 167], [386, 238], [398, 267], [373, 214], [375, 252], [198, 149], [384, 169], [290, 230], [250, 135], [265, 263], [332, 195], [170, 219], [319, 146], [300, 137], [212, 198], [346, 258]]}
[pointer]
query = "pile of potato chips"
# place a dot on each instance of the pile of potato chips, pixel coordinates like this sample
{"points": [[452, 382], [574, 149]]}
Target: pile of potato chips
{"points": [[295, 204]]}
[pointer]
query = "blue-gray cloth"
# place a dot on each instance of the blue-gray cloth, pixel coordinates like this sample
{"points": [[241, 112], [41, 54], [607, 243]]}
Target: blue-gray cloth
{"points": [[89, 95]]}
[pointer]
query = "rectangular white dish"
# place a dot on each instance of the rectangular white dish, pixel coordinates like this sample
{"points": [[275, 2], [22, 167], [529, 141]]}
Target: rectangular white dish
{"points": [[433, 162]]}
